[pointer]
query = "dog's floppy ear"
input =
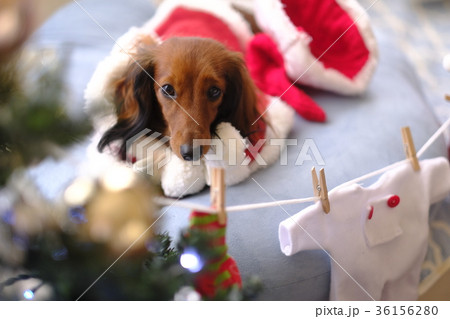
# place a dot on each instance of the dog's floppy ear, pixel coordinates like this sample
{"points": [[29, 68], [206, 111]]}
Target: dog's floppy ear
{"points": [[239, 106], [135, 99]]}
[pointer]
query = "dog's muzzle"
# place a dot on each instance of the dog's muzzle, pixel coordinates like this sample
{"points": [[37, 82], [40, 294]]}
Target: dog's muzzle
{"points": [[189, 153]]}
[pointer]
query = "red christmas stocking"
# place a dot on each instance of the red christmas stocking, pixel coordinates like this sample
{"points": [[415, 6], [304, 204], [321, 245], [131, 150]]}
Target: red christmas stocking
{"points": [[221, 273]]}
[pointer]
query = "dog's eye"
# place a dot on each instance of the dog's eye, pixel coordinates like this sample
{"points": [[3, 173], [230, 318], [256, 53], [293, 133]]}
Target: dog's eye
{"points": [[168, 91], [214, 93]]}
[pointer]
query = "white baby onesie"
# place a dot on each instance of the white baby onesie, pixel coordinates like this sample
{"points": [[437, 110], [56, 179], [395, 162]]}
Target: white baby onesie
{"points": [[375, 236]]}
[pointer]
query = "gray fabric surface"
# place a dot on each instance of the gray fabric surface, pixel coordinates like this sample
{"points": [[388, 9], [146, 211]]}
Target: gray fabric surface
{"points": [[362, 134]]}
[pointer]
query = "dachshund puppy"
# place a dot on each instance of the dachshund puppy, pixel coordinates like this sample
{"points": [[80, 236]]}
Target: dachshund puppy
{"points": [[183, 88]]}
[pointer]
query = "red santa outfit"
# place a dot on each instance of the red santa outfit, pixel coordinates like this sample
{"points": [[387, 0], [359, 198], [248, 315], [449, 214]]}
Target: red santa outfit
{"points": [[327, 44]]}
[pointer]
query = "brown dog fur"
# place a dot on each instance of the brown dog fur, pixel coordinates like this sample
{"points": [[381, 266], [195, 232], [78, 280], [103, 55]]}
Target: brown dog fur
{"points": [[193, 67]]}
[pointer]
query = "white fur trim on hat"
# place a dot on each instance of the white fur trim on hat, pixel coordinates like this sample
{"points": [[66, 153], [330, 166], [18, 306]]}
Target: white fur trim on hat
{"points": [[181, 178]]}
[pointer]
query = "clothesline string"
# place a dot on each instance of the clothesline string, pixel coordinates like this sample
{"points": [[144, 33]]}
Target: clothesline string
{"points": [[433, 138], [236, 208]]}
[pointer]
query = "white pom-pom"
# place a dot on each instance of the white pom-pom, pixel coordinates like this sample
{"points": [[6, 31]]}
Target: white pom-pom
{"points": [[446, 62]]}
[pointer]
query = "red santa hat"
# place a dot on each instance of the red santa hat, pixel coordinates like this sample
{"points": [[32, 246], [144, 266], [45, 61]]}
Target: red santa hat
{"points": [[325, 44]]}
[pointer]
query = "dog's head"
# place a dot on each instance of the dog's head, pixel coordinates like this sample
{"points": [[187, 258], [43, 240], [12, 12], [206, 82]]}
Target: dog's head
{"points": [[183, 88]]}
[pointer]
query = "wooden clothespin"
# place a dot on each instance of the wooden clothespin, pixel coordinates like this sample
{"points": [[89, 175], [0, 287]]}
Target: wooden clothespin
{"points": [[447, 97], [410, 150], [320, 188], [218, 193]]}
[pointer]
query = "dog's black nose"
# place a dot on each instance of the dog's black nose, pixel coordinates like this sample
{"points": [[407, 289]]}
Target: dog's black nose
{"points": [[188, 153]]}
